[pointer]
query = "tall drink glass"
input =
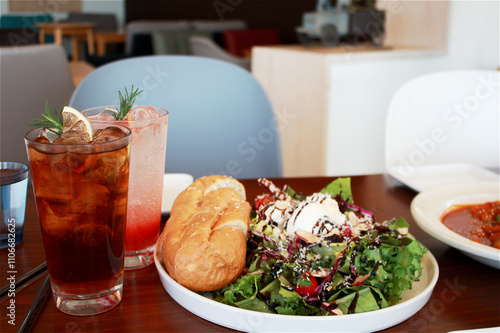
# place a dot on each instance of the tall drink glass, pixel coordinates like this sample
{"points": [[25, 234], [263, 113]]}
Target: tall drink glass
{"points": [[81, 196], [147, 165]]}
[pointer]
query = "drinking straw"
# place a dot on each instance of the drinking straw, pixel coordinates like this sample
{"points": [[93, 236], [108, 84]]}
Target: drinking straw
{"points": [[36, 307], [24, 280]]}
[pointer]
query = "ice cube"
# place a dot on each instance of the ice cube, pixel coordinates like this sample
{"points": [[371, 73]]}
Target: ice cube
{"points": [[88, 197], [52, 189], [45, 137], [81, 198], [70, 138], [42, 140], [109, 167], [106, 114], [80, 163], [42, 137], [91, 233], [142, 113], [108, 134], [56, 225], [38, 160]]}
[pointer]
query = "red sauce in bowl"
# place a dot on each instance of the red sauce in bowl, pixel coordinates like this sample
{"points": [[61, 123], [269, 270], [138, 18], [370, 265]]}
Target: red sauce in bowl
{"points": [[478, 222]]}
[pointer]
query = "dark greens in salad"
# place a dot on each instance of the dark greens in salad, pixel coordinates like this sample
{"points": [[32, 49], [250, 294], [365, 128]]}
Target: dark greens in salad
{"points": [[342, 270]]}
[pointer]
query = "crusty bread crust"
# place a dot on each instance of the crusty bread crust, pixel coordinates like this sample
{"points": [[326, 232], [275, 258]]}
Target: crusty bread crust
{"points": [[203, 244]]}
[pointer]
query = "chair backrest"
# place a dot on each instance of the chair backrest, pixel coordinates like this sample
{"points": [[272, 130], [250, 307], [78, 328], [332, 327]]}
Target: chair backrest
{"points": [[206, 47], [442, 118], [220, 122], [104, 22], [218, 25], [146, 28], [30, 76], [174, 42]]}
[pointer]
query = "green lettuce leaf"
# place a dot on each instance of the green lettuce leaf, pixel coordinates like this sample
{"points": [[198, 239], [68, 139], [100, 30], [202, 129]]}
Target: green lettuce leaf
{"points": [[339, 187], [402, 265], [253, 304], [290, 303], [358, 300], [246, 287]]}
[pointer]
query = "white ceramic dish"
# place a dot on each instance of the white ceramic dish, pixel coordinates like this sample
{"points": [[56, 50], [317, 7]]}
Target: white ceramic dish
{"points": [[425, 177], [480, 330], [252, 321], [173, 184], [428, 206]]}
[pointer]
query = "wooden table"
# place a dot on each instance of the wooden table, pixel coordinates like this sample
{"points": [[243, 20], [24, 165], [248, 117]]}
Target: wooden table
{"points": [[467, 294], [109, 37], [79, 70], [75, 30]]}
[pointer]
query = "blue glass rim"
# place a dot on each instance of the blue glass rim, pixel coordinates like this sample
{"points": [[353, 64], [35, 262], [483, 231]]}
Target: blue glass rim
{"points": [[21, 174]]}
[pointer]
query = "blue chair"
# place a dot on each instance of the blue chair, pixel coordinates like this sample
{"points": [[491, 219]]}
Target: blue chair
{"points": [[220, 122]]}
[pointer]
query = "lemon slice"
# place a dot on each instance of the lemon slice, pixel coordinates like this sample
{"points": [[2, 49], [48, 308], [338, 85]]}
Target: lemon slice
{"points": [[75, 121]]}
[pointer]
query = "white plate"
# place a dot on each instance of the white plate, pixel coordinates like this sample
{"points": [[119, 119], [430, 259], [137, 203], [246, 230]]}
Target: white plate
{"points": [[425, 177], [252, 321], [173, 184], [428, 206], [479, 330]]}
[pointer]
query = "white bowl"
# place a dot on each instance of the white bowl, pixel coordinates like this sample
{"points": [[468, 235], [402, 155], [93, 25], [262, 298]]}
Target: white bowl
{"points": [[252, 321], [428, 207]]}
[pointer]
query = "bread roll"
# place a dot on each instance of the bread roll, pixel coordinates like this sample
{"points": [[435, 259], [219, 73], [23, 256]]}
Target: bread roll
{"points": [[203, 244]]}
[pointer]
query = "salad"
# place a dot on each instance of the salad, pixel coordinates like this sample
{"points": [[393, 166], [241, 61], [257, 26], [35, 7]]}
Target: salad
{"points": [[322, 255]]}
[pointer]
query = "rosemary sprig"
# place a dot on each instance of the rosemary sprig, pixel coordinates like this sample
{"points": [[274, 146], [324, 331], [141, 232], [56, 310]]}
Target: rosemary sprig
{"points": [[126, 102], [52, 122]]}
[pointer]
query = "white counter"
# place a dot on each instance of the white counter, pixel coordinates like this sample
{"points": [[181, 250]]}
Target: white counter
{"points": [[330, 103]]}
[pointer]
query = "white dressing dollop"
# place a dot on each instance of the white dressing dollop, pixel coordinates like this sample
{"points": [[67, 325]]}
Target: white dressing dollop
{"points": [[318, 214]]}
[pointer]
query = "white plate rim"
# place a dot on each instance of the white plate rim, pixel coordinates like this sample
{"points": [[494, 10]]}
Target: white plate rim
{"points": [[252, 321], [457, 173], [428, 206]]}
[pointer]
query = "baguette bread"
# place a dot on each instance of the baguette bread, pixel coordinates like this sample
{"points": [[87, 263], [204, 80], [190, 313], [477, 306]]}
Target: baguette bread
{"points": [[203, 244]]}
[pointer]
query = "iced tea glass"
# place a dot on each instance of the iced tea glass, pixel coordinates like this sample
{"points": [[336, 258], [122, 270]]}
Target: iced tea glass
{"points": [[81, 196], [149, 127]]}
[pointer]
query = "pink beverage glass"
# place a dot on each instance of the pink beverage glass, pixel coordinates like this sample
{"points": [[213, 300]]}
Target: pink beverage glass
{"points": [[147, 165], [81, 196]]}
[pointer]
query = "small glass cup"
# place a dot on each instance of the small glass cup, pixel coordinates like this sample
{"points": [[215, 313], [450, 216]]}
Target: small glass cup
{"points": [[81, 196], [13, 189], [147, 167]]}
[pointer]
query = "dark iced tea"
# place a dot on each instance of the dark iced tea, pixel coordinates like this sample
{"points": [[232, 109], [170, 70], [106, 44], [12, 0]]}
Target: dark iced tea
{"points": [[81, 195]]}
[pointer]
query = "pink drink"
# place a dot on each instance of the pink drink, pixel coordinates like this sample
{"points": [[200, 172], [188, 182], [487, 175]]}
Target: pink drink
{"points": [[147, 163]]}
